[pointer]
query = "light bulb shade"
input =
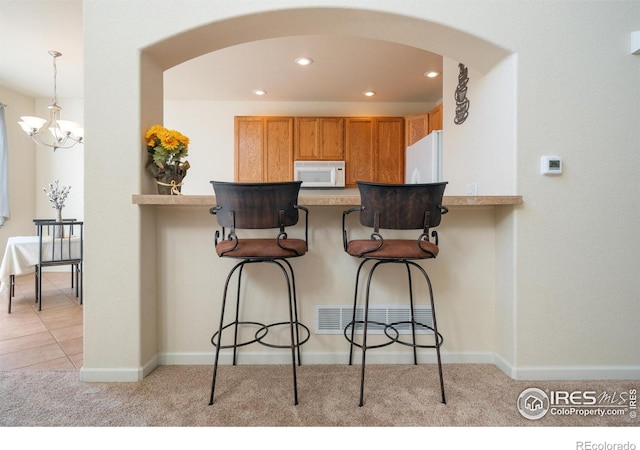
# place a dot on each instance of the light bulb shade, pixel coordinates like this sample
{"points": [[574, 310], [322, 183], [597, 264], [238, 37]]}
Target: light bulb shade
{"points": [[25, 127], [79, 132], [57, 133], [34, 123], [68, 126]]}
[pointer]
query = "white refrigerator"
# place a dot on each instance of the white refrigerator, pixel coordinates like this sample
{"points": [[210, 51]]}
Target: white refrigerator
{"points": [[423, 160]]}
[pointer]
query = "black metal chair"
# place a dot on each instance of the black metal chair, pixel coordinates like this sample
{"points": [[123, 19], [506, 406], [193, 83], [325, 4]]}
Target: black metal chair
{"points": [[395, 207], [259, 206], [59, 243], [62, 245], [75, 272]]}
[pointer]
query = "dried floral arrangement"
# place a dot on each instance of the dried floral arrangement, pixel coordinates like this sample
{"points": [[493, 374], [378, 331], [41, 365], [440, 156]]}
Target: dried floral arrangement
{"points": [[57, 195]]}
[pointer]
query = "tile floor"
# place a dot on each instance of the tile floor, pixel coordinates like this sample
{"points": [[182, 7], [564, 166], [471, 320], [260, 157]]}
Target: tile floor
{"points": [[48, 339]]}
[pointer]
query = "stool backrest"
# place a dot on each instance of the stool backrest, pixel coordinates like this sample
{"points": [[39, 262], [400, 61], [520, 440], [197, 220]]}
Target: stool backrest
{"points": [[401, 206], [256, 205]]}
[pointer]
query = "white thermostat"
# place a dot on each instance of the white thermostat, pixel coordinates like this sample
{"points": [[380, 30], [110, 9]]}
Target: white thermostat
{"points": [[550, 165]]}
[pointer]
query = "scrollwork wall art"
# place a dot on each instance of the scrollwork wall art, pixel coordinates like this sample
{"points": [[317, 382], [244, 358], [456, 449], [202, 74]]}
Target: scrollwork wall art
{"points": [[462, 102]]}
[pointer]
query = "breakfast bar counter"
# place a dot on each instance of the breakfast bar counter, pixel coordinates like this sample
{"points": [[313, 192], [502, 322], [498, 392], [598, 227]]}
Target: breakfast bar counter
{"points": [[324, 197], [475, 244]]}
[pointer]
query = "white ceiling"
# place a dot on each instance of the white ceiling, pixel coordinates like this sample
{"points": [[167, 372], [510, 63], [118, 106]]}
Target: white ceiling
{"points": [[343, 67]]}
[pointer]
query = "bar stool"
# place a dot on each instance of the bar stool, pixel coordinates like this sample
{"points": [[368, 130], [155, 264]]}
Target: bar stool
{"points": [[395, 207], [259, 206]]}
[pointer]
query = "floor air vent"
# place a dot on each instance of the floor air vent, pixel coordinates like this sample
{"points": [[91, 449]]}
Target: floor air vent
{"points": [[331, 319]]}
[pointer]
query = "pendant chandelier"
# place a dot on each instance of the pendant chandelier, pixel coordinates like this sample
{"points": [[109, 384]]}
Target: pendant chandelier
{"points": [[53, 133]]}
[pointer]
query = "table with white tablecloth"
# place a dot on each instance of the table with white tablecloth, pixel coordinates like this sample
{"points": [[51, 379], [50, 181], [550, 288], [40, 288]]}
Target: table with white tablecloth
{"points": [[23, 253]]}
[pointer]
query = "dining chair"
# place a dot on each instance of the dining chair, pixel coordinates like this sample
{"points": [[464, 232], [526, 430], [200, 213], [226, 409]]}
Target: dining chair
{"points": [[47, 226], [60, 251], [46, 249]]}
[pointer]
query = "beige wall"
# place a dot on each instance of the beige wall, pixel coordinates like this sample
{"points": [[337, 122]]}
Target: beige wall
{"points": [[191, 277], [562, 306], [22, 160]]}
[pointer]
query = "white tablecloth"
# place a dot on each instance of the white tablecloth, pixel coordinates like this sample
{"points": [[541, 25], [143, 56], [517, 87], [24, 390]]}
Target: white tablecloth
{"points": [[22, 254]]}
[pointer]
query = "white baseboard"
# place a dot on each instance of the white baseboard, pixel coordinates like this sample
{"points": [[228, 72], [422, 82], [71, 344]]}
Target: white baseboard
{"points": [[284, 357], [503, 365], [542, 373], [560, 373], [578, 373], [122, 374]]}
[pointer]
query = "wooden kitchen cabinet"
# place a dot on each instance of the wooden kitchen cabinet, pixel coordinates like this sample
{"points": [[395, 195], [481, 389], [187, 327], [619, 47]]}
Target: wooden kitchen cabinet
{"points": [[390, 150], [435, 118], [374, 150], [372, 147], [263, 149], [249, 139], [318, 138], [359, 150], [416, 127]]}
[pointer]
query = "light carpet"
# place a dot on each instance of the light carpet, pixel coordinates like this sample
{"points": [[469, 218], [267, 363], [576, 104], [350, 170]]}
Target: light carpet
{"points": [[261, 396]]}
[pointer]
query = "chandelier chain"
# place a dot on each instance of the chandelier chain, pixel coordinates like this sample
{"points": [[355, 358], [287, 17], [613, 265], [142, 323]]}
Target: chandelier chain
{"points": [[55, 77]]}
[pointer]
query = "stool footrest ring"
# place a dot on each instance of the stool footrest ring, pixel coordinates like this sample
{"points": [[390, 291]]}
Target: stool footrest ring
{"points": [[265, 330], [215, 335], [386, 326], [438, 343]]}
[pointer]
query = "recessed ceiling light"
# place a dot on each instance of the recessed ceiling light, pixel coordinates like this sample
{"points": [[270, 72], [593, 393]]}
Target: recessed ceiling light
{"points": [[304, 61], [368, 93], [431, 74], [259, 92]]}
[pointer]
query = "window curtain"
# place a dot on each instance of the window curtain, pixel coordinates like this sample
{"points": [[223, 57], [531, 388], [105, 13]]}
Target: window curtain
{"points": [[4, 169]]}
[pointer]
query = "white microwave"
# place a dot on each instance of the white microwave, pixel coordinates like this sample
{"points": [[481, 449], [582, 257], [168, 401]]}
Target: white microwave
{"points": [[319, 174]]}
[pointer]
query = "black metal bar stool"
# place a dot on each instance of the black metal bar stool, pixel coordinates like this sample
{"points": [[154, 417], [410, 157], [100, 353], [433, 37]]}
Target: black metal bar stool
{"points": [[395, 207], [259, 206]]}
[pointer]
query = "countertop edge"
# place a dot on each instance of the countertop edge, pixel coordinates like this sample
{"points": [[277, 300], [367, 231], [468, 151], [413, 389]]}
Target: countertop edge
{"points": [[322, 199]]}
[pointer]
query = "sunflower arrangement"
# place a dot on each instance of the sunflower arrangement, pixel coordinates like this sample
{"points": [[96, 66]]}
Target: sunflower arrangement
{"points": [[166, 147]]}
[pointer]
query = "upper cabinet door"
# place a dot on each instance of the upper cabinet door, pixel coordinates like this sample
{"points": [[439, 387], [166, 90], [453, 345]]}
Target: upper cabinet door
{"points": [[319, 138], [390, 150], [435, 118], [332, 138], [306, 142], [416, 127], [278, 148], [249, 156], [360, 160], [263, 149]]}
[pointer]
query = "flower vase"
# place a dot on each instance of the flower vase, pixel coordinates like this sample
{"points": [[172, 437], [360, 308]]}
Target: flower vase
{"points": [[169, 179], [59, 228], [170, 183]]}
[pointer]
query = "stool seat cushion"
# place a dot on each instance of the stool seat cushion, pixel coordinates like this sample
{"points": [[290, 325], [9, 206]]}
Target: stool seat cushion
{"points": [[262, 248], [392, 249]]}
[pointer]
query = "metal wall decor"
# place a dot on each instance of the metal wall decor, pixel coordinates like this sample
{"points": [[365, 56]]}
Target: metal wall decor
{"points": [[462, 102]]}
